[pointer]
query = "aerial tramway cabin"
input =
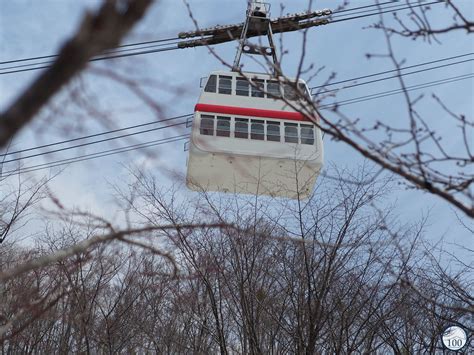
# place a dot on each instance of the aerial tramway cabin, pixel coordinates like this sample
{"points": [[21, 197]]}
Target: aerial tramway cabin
{"points": [[246, 139]]}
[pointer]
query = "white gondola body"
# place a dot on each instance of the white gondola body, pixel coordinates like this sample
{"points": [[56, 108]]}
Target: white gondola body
{"points": [[242, 142]]}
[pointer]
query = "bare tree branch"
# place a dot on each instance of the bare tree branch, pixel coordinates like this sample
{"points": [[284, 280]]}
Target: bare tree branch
{"points": [[84, 245], [97, 32]]}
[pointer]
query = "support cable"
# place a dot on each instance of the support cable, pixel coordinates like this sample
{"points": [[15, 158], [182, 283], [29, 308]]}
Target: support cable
{"points": [[186, 136], [190, 114], [95, 135], [393, 70], [113, 54], [94, 142], [394, 76], [96, 155]]}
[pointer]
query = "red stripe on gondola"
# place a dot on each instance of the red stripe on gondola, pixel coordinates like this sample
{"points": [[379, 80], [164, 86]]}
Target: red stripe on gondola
{"points": [[252, 112]]}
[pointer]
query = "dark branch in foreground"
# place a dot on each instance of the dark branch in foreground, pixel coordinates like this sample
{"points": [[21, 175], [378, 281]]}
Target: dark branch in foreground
{"points": [[98, 32]]}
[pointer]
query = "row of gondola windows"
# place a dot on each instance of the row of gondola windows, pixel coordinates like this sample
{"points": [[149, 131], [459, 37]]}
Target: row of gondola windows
{"points": [[268, 130], [222, 84]]}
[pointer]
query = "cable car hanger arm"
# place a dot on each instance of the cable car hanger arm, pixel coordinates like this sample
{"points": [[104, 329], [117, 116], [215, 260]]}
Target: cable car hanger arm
{"points": [[250, 28]]}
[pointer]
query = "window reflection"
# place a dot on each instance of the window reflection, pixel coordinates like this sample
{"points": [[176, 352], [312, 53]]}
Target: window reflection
{"points": [[258, 90], [257, 130], [291, 132], [242, 87], [225, 85], [307, 134], [241, 128], [273, 131], [222, 84], [290, 92], [273, 89], [207, 125], [211, 84], [263, 130], [223, 126]]}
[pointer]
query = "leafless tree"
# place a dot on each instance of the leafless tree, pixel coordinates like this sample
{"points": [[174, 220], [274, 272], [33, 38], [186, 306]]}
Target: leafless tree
{"points": [[330, 274], [417, 23], [333, 274], [320, 276], [17, 198]]}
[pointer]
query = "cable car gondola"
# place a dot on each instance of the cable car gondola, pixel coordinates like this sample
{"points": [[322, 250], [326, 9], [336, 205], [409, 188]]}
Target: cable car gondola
{"points": [[249, 134], [246, 140]]}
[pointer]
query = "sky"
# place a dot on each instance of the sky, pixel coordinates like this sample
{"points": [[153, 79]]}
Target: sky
{"points": [[31, 28]]}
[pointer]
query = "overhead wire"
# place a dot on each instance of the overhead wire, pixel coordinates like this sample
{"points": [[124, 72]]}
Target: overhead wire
{"points": [[119, 46], [97, 59], [397, 91], [190, 114], [138, 51], [185, 136], [96, 155], [172, 139], [366, 6], [169, 39], [397, 76], [396, 5], [386, 11], [96, 135], [94, 142], [93, 59], [392, 70]]}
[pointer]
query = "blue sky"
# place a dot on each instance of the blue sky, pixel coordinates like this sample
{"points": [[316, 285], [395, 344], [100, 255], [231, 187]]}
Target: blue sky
{"points": [[30, 28]]}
